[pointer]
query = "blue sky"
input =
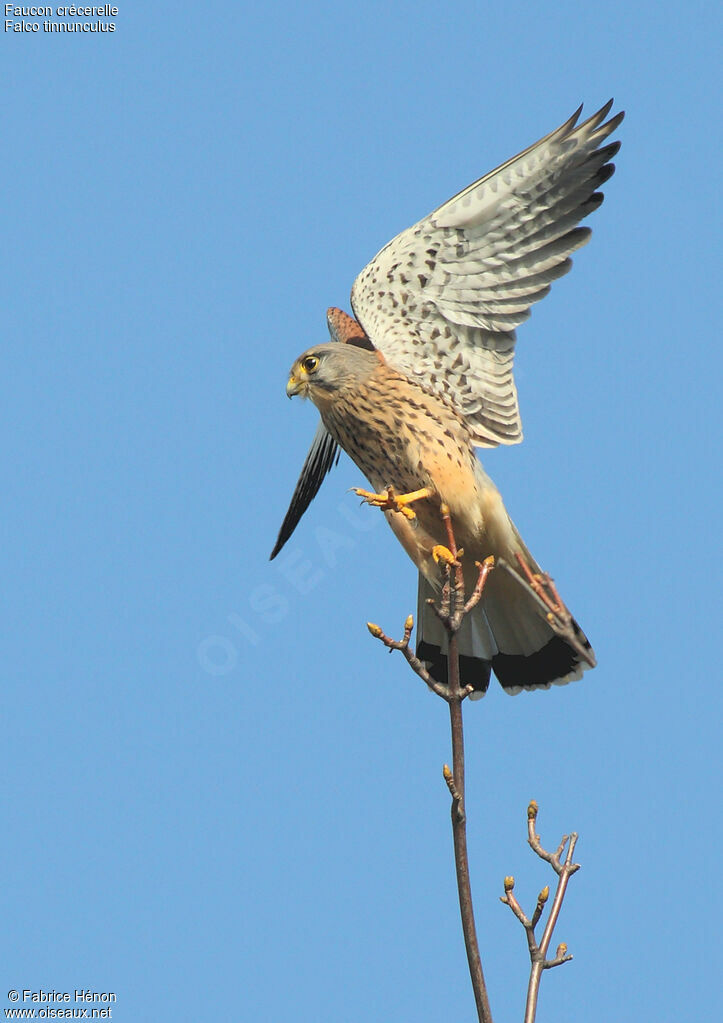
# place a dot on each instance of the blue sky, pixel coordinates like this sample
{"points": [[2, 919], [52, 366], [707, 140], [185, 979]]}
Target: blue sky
{"points": [[222, 799]]}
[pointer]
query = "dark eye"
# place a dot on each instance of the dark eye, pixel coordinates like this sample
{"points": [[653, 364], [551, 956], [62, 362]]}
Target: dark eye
{"points": [[310, 363]]}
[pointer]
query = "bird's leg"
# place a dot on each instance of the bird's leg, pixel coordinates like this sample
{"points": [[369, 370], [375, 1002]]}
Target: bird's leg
{"points": [[390, 501], [450, 556], [560, 620], [543, 586]]}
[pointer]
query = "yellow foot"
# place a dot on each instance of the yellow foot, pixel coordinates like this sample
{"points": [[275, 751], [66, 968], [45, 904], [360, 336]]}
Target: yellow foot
{"points": [[390, 501], [442, 553]]}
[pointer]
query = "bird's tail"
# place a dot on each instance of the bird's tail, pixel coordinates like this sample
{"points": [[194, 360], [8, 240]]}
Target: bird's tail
{"points": [[507, 633]]}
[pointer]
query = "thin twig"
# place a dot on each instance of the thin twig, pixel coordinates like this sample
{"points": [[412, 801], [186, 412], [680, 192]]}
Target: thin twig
{"points": [[484, 570], [541, 900], [538, 951], [417, 665]]}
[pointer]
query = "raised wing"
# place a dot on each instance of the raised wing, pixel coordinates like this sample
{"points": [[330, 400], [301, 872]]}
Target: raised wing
{"points": [[442, 300], [324, 451]]}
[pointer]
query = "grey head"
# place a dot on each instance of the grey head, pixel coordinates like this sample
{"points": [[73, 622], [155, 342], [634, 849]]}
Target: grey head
{"points": [[325, 369]]}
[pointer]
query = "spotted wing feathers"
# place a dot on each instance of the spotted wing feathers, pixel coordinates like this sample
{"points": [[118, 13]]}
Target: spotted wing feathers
{"points": [[443, 299]]}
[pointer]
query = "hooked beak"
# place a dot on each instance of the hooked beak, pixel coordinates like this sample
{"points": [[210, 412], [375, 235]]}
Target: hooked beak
{"points": [[293, 386]]}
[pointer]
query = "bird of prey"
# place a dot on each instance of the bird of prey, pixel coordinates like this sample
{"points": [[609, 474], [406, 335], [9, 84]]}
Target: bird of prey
{"points": [[422, 375]]}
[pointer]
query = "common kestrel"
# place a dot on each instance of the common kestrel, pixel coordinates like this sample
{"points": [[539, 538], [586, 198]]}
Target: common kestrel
{"points": [[423, 375]]}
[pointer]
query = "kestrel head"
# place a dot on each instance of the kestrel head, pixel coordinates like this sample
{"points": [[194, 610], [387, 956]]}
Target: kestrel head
{"points": [[325, 369]]}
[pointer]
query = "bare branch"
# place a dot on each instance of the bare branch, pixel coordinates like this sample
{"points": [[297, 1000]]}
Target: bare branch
{"points": [[403, 645], [459, 822], [541, 900], [509, 899], [560, 957], [451, 611], [453, 791], [484, 570], [538, 951]]}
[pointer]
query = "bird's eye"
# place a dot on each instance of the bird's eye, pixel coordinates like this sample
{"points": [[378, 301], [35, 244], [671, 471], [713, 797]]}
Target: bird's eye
{"points": [[310, 363]]}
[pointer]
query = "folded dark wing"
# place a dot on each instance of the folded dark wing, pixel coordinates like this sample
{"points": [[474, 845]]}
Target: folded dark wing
{"points": [[324, 452]]}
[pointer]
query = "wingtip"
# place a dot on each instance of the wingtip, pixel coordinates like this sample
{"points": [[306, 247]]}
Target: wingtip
{"points": [[569, 124], [284, 534], [605, 109], [608, 107], [602, 127]]}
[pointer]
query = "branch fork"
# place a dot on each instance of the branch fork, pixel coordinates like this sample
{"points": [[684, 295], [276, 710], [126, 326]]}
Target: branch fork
{"points": [[451, 611], [564, 868]]}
